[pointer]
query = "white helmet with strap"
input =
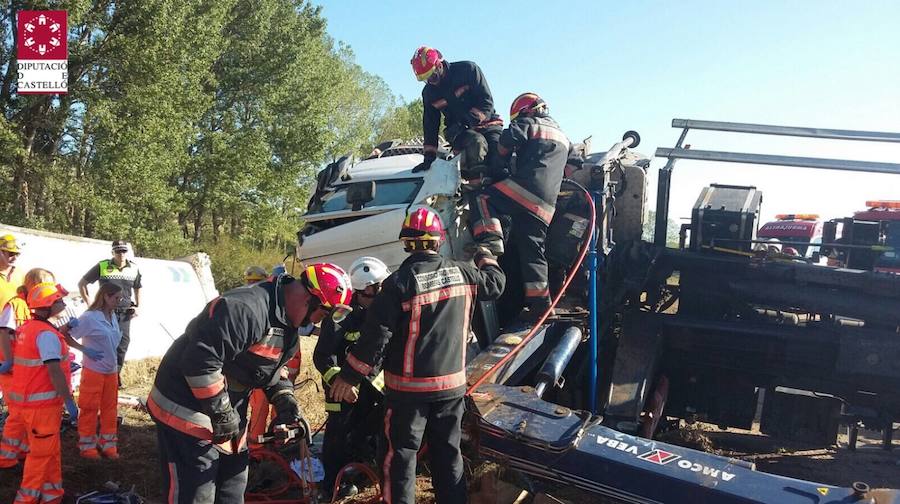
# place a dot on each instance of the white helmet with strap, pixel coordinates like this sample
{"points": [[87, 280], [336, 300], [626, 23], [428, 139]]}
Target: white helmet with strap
{"points": [[367, 271]]}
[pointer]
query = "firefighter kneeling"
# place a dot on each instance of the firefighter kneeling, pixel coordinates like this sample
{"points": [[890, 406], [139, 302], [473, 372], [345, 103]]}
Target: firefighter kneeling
{"points": [[239, 342], [422, 317]]}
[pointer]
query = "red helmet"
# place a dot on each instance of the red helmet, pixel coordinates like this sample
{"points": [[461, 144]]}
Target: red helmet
{"points": [[44, 294], [423, 224], [424, 61], [525, 102], [331, 285]]}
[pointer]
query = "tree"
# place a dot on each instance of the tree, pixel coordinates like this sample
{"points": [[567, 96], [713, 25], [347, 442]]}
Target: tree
{"points": [[672, 229], [187, 122]]}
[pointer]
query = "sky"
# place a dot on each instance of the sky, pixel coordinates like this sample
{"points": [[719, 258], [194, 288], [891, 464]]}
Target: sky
{"points": [[608, 67]]}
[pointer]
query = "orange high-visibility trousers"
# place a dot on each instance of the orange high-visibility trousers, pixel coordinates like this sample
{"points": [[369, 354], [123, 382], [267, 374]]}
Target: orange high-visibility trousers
{"points": [[259, 416], [12, 441], [42, 477], [98, 395]]}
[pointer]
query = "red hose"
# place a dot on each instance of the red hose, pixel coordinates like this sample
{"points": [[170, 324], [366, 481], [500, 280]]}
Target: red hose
{"points": [[569, 278]]}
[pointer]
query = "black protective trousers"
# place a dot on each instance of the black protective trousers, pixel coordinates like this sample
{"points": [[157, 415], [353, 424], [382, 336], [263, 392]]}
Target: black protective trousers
{"points": [[477, 163], [195, 472], [123, 316], [526, 236], [405, 425], [349, 433]]}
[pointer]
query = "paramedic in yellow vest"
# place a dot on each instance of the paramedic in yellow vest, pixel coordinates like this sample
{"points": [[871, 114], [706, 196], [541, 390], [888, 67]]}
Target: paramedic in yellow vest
{"points": [[40, 390], [123, 272], [10, 280], [13, 311]]}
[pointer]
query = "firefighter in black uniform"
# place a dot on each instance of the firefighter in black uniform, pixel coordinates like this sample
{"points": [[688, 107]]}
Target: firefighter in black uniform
{"points": [[350, 427], [240, 341], [420, 322], [528, 195], [460, 92]]}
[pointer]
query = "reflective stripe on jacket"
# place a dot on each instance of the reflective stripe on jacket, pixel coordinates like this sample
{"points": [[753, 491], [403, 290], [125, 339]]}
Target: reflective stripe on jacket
{"points": [[241, 341], [420, 323], [541, 152], [463, 97], [31, 385]]}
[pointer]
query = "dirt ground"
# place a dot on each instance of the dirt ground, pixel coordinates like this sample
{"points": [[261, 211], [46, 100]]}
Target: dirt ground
{"points": [[834, 465], [139, 467]]}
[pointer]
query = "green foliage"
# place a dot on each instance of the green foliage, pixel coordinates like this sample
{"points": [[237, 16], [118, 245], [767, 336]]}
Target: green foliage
{"points": [[189, 124], [672, 229], [403, 122]]}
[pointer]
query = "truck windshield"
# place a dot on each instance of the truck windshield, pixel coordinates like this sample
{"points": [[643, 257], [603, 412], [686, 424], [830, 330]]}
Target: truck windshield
{"points": [[387, 192]]}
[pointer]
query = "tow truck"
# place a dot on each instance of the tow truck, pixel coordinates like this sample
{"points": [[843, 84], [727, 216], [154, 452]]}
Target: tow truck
{"points": [[869, 240], [645, 334]]}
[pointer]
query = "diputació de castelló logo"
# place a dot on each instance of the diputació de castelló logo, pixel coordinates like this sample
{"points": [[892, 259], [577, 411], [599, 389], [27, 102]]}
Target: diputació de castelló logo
{"points": [[42, 52]]}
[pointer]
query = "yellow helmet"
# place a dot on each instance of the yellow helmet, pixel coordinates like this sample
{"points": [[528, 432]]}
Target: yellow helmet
{"points": [[255, 274], [8, 244]]}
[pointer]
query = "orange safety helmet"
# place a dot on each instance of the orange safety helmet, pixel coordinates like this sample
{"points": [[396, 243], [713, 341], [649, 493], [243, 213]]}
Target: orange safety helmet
{"points": [[425, 61], [422, 225], [525, 102], [332, 286], [44, 294]]}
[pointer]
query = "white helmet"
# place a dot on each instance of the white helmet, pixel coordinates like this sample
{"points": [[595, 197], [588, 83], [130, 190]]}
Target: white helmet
{"points": [[367, 271]]}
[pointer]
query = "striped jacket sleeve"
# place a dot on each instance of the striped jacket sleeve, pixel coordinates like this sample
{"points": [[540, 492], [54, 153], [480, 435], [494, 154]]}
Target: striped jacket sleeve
{"points": [[377, 331]]}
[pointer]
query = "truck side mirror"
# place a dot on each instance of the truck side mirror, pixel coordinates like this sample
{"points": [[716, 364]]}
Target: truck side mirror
{"points": [[360, 193]]}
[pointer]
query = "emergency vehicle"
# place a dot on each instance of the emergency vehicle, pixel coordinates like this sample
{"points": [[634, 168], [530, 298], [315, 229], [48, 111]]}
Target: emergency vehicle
{"points": [[798, 231]]}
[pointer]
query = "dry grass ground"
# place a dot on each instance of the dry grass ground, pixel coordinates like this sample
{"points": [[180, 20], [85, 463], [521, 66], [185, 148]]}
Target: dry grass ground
{"points": [[138, 464]]}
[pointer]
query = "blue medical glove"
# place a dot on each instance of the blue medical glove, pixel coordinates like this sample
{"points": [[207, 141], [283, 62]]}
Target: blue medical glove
{"points": [[6, 366], [72, 408], [73, 323]]}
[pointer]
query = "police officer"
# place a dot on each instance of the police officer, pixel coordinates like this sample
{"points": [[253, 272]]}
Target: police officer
{"points": [[422, 317], [123, 272], [240, 341], [460, 92], [347, 420], [528, 195]]}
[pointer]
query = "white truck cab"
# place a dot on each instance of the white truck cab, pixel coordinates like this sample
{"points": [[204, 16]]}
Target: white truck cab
{"points": [[336, 232]]}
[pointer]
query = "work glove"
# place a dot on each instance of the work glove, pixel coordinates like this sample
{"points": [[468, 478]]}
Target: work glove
{"points": [[225, 421], [72, 408], [287, 411], [95, 355], [423, 166], [6, 366], [226, 425]]}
